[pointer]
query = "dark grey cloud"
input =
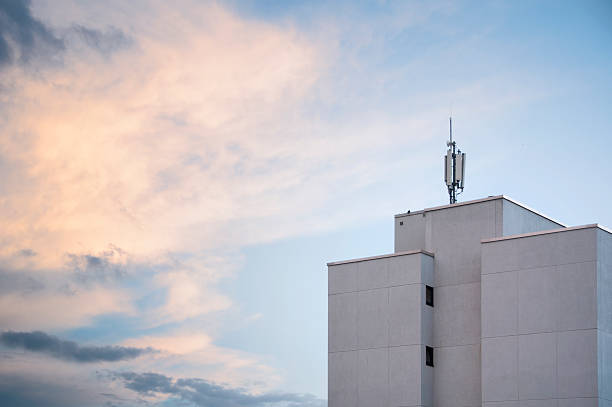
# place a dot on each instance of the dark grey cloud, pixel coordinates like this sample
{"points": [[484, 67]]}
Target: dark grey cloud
{"points": [[68, 350], [19, 391], [22, 36], [97, 268], [13, 282], [105, 41], [27, 253], [200, 392]]}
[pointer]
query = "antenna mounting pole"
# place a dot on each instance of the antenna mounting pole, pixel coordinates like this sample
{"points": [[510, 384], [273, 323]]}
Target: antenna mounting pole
{"points": [[454, 166]]}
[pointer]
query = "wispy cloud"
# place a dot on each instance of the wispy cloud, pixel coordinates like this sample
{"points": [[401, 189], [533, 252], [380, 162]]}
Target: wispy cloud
{"points": [[53, 346], [22, 36], [203, 393]]}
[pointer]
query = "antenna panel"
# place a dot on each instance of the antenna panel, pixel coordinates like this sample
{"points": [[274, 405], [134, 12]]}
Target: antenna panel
{"points": [[448, 168], [462, 182], [459, 169]]}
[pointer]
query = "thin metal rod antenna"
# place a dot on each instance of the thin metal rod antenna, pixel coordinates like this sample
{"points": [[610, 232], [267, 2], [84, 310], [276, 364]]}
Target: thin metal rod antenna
{"points": [[452, 188]]}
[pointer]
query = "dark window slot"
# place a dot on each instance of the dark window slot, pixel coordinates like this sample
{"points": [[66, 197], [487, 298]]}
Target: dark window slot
{"points": [[429, 356], [429, 296]]}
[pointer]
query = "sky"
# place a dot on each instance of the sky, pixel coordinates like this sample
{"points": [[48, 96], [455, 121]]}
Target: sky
{"points": [[175, 175]]}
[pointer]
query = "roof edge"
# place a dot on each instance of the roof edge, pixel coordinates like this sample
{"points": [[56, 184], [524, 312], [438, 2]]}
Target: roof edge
{"points": [[475, 201], [383, 256], [547, 232], [437, 208]]}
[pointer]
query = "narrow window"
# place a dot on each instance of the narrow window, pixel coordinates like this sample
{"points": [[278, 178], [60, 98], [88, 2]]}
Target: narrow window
{"points": [[429, 296], [429, 356], [401, 223]]}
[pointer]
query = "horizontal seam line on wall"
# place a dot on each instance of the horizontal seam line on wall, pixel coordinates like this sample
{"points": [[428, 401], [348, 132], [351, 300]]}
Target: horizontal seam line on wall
{"points": [[457, 284], [539, 267], [402, 346], [377, 347], [542, 332], [373, 289], [549, 398]]}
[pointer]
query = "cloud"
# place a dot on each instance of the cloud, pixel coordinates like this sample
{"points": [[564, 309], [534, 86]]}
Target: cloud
{"points": [[33, 305], [68, 350], [22, 36], [107, 265], [195, 354], [171, 140], [26, 391], [105, 41], [203, 393]]}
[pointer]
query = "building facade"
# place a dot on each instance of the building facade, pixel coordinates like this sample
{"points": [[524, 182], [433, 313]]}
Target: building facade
{"points": [[482, 303]]}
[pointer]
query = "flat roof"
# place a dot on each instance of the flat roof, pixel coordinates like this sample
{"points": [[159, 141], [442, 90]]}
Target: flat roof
{"points": [[547, 232], [475, 201], [384, 256]]}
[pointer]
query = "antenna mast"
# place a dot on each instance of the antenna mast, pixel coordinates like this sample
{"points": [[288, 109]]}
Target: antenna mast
{"points": [[454, 167]]}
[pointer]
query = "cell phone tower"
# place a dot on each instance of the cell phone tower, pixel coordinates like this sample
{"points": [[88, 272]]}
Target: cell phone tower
{"points": [[454, 167]]}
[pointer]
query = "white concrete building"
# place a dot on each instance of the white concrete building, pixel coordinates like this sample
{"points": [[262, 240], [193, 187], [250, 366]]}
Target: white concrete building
{"points": [[483, 303]]}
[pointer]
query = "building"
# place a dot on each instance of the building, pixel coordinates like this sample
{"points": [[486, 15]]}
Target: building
{"points": [[483, 303]]}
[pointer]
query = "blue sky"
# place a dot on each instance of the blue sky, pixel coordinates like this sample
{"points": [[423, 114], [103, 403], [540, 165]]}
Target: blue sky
{"points": [[175, 177]]}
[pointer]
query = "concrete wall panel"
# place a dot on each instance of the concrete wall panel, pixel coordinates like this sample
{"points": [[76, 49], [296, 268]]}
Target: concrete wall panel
{"points": [[457, 376], [604, 281], [572, 246], [500, 369], [342, 379], [404, 269], [373, 381], [342, 321], [577, 363], [604, 361], [499, 304], [410, 235], [518, 220], [604, 296], [373, 318], [537, 369], [537, 293], [604, 247], [577, 246], [579, 402], [342, 278], [457, 315], [427, 270], [577, 303], [456, 236], [538, 403], [537, 251], [405, 305], [427, 381], [499, 257], [605, 403], [372, 274], [404, 379], [604, 316]]}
